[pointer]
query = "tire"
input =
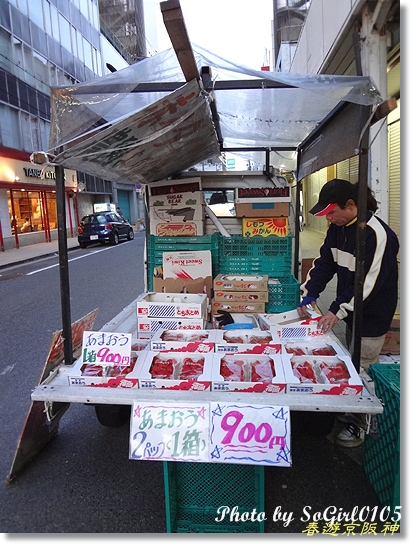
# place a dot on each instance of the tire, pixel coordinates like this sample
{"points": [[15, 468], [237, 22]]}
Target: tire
{"points": [[315, 424], [82, 245], [113, 416], [115, 238], [130, 234]]}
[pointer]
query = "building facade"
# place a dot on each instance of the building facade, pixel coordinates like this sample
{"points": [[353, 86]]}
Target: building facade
{"points": [[355, 37], [43, 44]]}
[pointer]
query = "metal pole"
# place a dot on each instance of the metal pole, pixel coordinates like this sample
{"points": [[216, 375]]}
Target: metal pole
{"points": [[297, 229], [63, 266], [360, 244]]}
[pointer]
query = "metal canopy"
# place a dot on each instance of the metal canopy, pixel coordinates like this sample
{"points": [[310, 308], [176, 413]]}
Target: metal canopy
{"points": [[148, 110]]}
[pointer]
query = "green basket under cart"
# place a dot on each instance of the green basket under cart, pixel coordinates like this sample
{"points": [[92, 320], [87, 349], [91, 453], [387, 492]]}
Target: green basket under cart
{"points": [[195, 491], [382, 455]]}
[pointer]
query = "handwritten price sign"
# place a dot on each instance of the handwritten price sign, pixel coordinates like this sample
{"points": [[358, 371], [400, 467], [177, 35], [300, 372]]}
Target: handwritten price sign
{"points": [[103, 348], [211, 432], [250, 434], [170, 431]]}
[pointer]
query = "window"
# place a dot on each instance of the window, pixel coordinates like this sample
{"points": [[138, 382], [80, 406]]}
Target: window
{"points": [[65, 33], [5, 50], [10, 136], [36, 12]]}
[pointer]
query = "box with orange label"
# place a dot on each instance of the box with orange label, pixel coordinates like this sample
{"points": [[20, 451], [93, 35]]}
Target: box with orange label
{"points": [[265, 227]]}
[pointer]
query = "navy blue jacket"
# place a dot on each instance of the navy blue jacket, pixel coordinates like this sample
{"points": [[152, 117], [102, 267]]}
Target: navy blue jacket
{"points": [[380, 288]]}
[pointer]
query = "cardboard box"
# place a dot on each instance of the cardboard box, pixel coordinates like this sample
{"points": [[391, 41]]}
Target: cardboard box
{"points": [[392, 344], [175, 362], [313, 347], [173, 346], [187, 264], [253, 194], [241, 296], [164, 187], [352, 387], [172, 305], [177, 200], [299, 329], [264, 227], [105, 375], [276, 385], [265, 209], [243, 283], [245, 348], [247, 336], [235, 306], [178, 215], [147, 327], [183, 229], [180, 285], [167, 339]]}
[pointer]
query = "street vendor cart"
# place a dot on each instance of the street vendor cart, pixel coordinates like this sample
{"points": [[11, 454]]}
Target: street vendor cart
{"points": [[151, 124]]}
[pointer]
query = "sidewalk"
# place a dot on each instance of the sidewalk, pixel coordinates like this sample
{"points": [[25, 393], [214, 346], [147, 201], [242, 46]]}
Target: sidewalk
{"points": [[33, 251]]}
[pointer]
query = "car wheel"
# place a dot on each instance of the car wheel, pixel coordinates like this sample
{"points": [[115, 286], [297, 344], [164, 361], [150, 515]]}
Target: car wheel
{"points": [[82, 245], [113, 416], [115, 238], [130, 234]]}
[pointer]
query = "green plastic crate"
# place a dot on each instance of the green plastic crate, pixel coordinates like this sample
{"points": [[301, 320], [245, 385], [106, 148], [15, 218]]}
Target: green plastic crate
{"points": [[284, 296], [382, 455], [195, 491], [240, 246]]}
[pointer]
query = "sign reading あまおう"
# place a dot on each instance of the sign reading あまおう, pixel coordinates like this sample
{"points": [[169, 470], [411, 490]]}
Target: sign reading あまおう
{"points": [[170, 432], [211, 432], [264, 227], [106, 348]]}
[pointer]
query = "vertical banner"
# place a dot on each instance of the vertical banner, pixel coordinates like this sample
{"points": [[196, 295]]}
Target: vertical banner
{"points": [[250, 434], [176, 432]]}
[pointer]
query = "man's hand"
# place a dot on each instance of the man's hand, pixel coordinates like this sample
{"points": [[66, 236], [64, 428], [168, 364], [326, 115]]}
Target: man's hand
{"points": [[302, 310], [327, 321]]}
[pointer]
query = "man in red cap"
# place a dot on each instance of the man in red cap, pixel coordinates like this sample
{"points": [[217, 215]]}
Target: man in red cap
{"points": [[337, 202]]}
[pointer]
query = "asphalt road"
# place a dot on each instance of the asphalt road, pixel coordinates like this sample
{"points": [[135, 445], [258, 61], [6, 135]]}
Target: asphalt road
{"points": [[83, 481]]}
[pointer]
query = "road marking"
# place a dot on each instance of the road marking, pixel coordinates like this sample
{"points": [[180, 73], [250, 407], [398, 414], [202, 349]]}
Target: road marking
{"points": [[74, 259]]}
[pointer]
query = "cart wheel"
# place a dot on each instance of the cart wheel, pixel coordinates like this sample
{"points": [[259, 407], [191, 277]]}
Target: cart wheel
{"points": [[313, 423], [113, 416]]}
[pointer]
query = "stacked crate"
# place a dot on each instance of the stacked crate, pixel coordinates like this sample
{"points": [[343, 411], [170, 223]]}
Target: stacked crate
{"points": [[382, 455], [157, 245], [272, 256], [194, 492]]}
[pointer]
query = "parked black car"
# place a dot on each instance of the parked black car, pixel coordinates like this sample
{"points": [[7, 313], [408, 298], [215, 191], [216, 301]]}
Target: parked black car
{"points": [[104, 227]]}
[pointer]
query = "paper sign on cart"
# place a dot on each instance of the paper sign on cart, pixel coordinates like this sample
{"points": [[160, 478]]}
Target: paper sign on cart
{"points": [[103, 347], [250, 434], [176, 432]]}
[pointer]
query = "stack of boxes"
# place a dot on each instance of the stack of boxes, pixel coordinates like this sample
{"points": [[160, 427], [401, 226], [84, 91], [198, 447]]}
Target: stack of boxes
{"points": [[177, 208], [240, 294], [157, 311], [264, 211]]}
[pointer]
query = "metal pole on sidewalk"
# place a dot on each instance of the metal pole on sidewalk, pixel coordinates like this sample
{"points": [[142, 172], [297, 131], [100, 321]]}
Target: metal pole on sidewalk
{"points": [[63, 266]]}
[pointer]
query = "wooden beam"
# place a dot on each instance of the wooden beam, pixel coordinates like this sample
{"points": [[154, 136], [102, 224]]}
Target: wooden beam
{"points": [[384, 109], [176, 28]]}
